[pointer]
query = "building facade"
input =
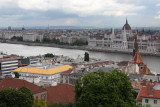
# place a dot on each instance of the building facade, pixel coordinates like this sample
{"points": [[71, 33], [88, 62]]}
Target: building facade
{"points": [[124, 40]]}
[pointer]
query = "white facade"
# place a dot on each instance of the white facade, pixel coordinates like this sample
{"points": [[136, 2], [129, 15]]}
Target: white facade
{"points": [[8, 66], [10, 34], [153, 102], [41, 79], [122, 41], [32, 37]]}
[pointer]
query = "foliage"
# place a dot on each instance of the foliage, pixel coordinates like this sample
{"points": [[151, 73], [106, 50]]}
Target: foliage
{"points": [[17, 75], [147, 105], [80, 43], [57, 41], [28, 94], [37, 40], [86, 56], [15, 98], [57, 105], [104, 89], [46, 40], [40, 103], [134, 94], [17, 38], [49, 55], [62, 105]]}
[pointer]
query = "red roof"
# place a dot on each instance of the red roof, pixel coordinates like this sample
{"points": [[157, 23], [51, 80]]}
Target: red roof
{"points": [[62, 93], [137, 59], [145, 70], [127, 27], [148, 91], [18, 83]]}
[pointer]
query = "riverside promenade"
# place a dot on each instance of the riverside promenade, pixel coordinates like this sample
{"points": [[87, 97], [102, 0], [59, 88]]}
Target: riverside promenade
{"points": [[98, 49]]}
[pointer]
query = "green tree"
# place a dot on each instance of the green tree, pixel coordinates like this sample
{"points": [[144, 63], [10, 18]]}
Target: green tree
{"points": [[49, 55], [86, 56], [40, 103], [14, 98], [104, 89], [57, 105], [16, 75], [28, 94]]}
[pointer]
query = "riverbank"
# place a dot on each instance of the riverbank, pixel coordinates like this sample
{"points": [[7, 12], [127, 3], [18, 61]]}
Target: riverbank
{"points": [[77, 47]]}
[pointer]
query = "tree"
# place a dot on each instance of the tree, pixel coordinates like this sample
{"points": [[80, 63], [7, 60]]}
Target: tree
{"points": [[57, 105], [15, 98], [40, 103], [104, 89], [86, 56], [49, 55], [28, 94], [16, 75]]}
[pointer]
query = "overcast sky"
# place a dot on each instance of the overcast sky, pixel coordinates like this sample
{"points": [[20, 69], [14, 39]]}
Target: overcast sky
{"points": [[99, 13]]}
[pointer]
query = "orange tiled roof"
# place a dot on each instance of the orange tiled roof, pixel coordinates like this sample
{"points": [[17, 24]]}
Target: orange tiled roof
{"points": [[148, 91], [145, 70], [44, 71], [137, 59]]}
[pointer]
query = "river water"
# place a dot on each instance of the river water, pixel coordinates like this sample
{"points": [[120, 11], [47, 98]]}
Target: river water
{"points": [[24, 50]]}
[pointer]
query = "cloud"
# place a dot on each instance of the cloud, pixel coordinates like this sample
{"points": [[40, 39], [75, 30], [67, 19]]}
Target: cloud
{"points": [[158, 5], [158, 15], [79, 7], [70, 21]]}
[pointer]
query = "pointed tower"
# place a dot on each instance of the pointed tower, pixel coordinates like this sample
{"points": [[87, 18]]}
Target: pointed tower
{"points": [[135, 47], [126, 26], [145, 70], [126, 21], [113, 33], [138, 59], [113, 30]]}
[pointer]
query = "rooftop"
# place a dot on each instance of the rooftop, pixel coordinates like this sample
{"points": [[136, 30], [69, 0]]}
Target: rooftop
{"points": [[44, 71], [18, 83], [62, 93]]}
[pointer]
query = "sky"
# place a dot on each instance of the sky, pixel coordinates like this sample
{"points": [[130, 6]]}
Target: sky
{"points": [[97, 13]]}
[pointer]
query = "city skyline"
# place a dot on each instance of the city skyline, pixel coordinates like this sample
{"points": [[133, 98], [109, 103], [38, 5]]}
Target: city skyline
{"points": [[97, 13]]}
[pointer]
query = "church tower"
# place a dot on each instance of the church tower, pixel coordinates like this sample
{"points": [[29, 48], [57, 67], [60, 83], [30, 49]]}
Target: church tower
{"points": [[137, 59]]}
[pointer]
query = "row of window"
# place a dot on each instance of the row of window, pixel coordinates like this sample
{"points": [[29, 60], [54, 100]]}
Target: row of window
{"points": [[147, 101]]}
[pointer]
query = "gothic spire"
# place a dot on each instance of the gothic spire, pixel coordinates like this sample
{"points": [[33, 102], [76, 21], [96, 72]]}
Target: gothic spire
{"points": [[126, 21], [135, 48]]}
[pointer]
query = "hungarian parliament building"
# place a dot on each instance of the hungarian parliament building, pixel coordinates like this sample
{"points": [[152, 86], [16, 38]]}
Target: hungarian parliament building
{"points": [[124, 40]]}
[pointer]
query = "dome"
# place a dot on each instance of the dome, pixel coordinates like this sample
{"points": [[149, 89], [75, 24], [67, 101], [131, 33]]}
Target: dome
{"points": [[156, 87], [127, 26]]}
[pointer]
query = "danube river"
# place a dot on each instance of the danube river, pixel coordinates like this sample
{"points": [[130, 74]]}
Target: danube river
{"points": [[24, 50]]}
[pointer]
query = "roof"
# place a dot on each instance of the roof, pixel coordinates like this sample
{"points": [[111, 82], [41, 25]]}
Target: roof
{"points": [[62, 93], [10, 58], [137, 58], [44, 71], [149, 92], [145, 70], [18, 83], [126, 26]]}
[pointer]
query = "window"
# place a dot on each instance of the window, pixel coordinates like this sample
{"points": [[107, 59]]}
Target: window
{"points": [[43, 96], [155, 101], [36, 97], [146, 100]]}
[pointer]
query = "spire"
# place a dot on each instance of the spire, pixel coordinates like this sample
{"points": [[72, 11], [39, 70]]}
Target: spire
{"points": [[126, 21], [135, 48], [113, 30], [137, 58]]}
